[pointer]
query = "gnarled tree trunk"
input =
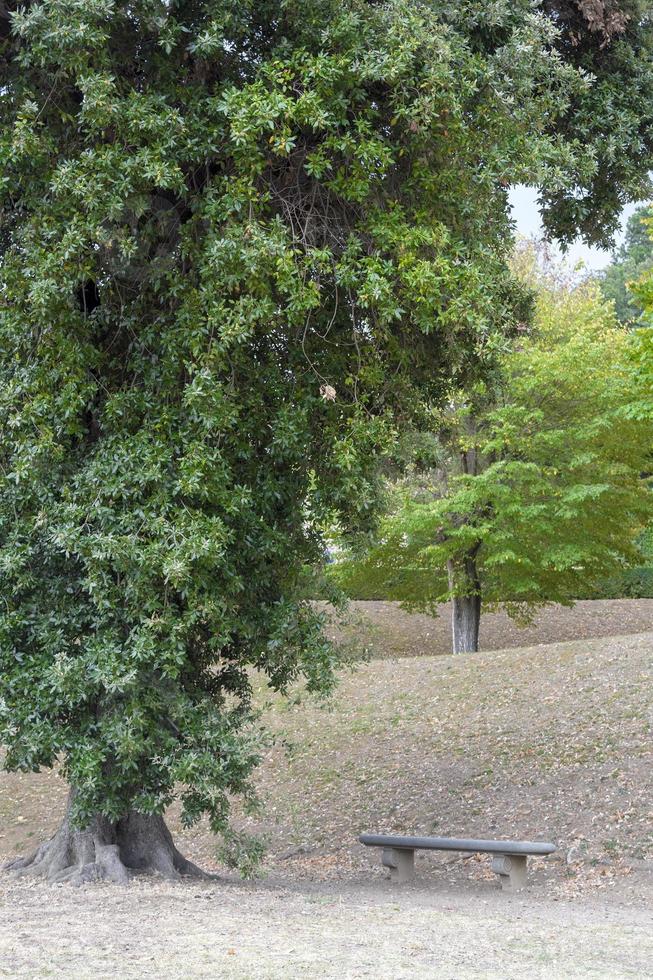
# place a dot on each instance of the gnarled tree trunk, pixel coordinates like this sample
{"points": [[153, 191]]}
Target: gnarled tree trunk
{"points": [[466, 607], [113, 851]]}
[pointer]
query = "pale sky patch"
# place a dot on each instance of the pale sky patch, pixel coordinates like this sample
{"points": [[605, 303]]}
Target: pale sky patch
{"points": [[525, 212]]}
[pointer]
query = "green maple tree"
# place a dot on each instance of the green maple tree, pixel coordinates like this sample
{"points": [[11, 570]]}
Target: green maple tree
{"points": [[533, 489]]}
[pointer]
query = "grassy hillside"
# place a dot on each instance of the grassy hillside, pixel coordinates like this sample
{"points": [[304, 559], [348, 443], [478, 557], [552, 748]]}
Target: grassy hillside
{"points": [[384, 629], [550, 742]]}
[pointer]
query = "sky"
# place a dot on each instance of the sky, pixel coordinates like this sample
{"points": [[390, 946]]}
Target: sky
{"points": [[524, 207]]}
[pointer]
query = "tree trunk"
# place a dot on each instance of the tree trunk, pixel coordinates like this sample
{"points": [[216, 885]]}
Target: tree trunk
{"points": [[106, 850], [466, 607], [465, 623]]}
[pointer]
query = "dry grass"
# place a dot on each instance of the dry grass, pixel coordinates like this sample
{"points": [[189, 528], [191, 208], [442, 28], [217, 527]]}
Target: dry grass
{"points": [[545, 742], [243, 932], [549, 742]]}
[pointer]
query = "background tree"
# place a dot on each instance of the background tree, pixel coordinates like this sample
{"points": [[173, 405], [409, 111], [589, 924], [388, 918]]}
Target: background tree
{"points": [[642, 290], [642, 407], [533, 491], [610, 123], [630, 262]]}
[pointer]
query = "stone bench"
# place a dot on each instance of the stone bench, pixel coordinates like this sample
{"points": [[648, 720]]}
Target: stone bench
{"points": [[509, 856]]}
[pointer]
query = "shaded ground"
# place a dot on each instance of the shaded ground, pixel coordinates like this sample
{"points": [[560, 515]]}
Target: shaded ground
{"points": [[553, 742], [550, 742], [388, 631]]}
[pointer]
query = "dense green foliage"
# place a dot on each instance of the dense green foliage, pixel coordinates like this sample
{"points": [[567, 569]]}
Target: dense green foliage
{"points": [[241, 242], [225, 227], [630, 262], [534, 478], [611, 124]]}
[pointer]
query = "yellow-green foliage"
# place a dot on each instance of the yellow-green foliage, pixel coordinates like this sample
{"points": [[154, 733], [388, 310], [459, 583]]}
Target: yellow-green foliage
{"points": [[539, 476]]}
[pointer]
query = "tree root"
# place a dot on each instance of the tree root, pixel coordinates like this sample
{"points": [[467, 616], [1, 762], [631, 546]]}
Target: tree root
{"points": [[108, 851]]}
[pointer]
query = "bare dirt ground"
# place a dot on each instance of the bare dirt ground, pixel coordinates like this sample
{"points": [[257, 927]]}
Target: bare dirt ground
{"points": [[386, 630], [543, 742], [271, 932]]}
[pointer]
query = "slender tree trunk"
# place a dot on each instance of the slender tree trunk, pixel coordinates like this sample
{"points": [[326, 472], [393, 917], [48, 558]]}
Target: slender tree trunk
{"points": [[465, 623], [107, 850], [466, 608]]}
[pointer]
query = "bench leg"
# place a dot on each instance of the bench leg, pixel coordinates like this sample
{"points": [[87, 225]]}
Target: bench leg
{"points": [[401, 862], [511, 869]]}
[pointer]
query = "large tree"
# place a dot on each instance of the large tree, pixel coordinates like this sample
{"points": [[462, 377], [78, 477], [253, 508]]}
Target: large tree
{"points": [[240, 240], [531, 489]]}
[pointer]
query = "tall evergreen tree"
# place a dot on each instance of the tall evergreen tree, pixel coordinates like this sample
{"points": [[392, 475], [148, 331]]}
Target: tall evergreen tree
{"points": [[241, 239]]}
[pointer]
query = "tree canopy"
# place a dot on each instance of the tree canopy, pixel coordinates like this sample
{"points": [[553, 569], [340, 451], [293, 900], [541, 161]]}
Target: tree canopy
{"points": [[610, 123], [241, 243]]}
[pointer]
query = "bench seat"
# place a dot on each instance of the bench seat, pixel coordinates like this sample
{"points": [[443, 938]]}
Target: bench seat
{"points": [[509, 860]]}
